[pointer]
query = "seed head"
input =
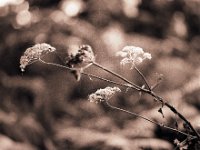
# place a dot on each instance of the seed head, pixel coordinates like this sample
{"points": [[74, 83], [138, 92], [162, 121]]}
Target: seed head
{"points": [[133, 55], [34, 53], [103, 94], [84, 56]]}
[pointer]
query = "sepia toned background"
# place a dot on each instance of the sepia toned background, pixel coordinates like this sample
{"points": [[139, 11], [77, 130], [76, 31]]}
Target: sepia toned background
{"points": [[45, 108]]}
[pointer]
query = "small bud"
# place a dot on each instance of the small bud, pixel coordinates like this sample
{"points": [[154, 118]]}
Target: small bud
{"points": [[161, 112], [77, 74]]}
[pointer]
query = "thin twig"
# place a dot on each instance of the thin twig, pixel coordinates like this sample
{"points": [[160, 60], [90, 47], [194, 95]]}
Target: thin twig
{"points": [[117, 75], [107, 80], [134, 87], [154, 95], [87, 74], [143, 77], [155, 85], [176, 112], [147, 119], [57, 65]]}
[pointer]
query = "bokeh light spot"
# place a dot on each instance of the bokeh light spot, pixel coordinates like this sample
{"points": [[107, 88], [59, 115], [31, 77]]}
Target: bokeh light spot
{"points": [[10, 2], [72, 7], [23, 18]]}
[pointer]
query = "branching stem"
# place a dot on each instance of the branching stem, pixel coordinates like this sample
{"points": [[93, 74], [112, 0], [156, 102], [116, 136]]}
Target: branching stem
{"points": [[175, 112], [149, 91], [143, 77], [147, 119], [117, 75], [136, 87], [87, 74]]}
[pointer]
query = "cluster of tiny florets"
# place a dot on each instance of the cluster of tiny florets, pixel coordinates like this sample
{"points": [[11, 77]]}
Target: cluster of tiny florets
{"points": [[103, 94], [34, 53], [84, 55], [133, 55]]}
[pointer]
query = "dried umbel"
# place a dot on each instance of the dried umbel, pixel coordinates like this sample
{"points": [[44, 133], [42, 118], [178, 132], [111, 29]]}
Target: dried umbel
{"points": [[103, 94], [83, 57], [34, 53], [133, 55]]}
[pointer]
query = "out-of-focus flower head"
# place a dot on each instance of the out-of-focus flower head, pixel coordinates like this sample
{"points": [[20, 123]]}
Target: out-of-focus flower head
{"points": [[83, 57], [34, 53], [103, 94], [133, 55]]}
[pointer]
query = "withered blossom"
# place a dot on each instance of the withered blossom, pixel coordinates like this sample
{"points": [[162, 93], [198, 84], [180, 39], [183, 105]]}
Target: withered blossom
{"points": [[34, 53], [133, 55], [103, 94], [83, 57]]}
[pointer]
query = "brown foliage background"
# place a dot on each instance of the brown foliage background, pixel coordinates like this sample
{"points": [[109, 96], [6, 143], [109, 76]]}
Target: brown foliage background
{"points": [[45, 108]]}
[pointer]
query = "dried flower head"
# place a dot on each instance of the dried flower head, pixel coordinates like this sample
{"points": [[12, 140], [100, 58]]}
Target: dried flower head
{"points": [[103, 94], [34, 53], [84, 56], [133, 55]]}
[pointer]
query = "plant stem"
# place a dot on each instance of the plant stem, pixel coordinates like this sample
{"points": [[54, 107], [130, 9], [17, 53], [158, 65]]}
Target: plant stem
{"points": [[147, 119], [152, 94], [133, 86], [176, 112], [87, 74], [117, 75], [143, 77]]}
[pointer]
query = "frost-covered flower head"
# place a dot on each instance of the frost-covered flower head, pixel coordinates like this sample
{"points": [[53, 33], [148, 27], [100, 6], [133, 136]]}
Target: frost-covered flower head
{"points": [[84, 55], [103, 94], [133, 55], [34, 53]]}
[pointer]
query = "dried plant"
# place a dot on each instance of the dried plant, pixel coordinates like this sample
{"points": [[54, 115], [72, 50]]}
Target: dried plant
{"points": [[34, 53], [131, 55]]}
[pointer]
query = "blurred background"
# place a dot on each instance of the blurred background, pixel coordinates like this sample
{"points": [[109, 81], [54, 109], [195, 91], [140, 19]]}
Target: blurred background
{"points": [[45, 108]]}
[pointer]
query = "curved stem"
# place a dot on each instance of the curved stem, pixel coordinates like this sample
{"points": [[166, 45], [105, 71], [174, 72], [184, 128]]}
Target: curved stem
{"points": [[176, 112], [87, 74], [147, 119], [152, 94], [57, 65], [106, 80], [117, 75], [134, 86], [143, 77]]}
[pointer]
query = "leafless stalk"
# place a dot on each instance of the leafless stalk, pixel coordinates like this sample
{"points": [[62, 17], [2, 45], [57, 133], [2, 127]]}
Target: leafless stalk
{"points": [[135, 87], [85, 56]]}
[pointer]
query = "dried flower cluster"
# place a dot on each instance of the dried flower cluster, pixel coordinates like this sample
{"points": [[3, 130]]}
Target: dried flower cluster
{"points": [[103, 94], [133, 55], [34, 53], [84, 56]]}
